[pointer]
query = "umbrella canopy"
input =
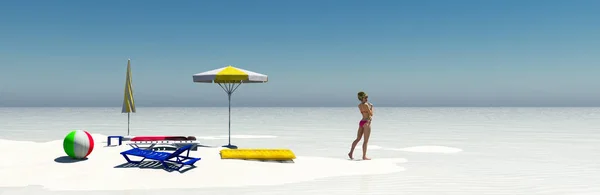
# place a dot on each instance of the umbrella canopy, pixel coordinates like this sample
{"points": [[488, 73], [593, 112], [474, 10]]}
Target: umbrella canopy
{"points": [[230, 78], [128, 102], [230, 74]]}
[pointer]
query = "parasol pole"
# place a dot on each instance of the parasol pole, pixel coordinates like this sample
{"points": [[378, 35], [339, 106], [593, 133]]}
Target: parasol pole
{"points": [[229, 88], [128, 122]]}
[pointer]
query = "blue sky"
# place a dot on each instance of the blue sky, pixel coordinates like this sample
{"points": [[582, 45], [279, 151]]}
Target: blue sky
{"points": [[316, 52]]}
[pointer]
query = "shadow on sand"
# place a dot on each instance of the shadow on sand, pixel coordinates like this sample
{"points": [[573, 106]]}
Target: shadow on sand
{"points": [[154, 165], [66, 159], [270, 161]]}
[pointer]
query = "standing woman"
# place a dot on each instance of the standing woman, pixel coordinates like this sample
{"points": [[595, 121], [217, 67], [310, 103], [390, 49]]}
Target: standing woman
{"points": [[364, 125]]}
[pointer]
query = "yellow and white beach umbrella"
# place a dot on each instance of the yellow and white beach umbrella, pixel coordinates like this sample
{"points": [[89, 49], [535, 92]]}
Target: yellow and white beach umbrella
{"points": [[230, 78], [128, 102]]}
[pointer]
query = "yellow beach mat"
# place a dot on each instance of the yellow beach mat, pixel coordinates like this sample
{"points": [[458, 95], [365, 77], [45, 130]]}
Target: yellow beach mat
{"points": [[258, 154]]}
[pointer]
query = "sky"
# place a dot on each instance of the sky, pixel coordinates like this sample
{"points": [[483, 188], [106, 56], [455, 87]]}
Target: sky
{"points": [[315, 52]]}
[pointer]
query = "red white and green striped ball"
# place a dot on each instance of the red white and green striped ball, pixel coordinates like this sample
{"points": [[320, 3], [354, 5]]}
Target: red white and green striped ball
{"points": [[78, 144]]}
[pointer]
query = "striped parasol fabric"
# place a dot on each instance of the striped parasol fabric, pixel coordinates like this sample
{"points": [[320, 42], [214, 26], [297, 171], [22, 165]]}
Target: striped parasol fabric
{"points": [[128, 102], [230, 78], [230, 74]]}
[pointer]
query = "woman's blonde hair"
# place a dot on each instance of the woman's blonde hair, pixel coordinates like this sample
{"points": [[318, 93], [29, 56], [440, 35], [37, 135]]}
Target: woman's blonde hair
{"points": [[362, 95]]}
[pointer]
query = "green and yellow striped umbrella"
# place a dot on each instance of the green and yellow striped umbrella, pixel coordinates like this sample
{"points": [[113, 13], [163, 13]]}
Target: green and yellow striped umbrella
{"points": [[230, 78], [128, 102]]}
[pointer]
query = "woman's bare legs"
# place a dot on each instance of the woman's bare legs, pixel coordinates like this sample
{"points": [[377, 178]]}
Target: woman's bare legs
{"points": [[367, 134], [359, 135]]}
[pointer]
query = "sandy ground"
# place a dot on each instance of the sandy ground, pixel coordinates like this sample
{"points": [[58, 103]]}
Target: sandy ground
{"points": [[46, 165]]}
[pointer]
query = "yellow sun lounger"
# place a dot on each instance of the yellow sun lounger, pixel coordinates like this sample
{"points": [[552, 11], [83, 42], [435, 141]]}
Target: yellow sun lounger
{"points": [[258, 154]]}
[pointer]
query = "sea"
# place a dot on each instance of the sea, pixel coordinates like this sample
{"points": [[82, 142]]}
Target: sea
{"points": [[466, 151]]}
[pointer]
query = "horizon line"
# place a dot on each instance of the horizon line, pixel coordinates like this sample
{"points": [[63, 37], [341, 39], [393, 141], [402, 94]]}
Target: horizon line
{"points": [[302, 107]]}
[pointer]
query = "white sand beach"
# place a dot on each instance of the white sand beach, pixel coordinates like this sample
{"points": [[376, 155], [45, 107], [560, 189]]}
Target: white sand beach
{"points": [[421, 151], [45, 164]]}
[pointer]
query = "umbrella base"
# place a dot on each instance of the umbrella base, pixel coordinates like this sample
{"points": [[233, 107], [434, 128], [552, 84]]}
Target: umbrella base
{"points": [[230, 146]]}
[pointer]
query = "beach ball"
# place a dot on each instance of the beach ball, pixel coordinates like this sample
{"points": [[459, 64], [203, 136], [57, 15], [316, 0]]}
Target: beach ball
{"points": [[78, 144]]}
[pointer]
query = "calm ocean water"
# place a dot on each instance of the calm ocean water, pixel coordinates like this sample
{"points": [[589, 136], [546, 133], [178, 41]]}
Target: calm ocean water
{"points": [[504, 150]]}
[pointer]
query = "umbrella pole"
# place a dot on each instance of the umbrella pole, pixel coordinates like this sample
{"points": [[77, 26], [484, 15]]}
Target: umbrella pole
{"points": [[229, 96], [229, 88], [128, 123]]}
